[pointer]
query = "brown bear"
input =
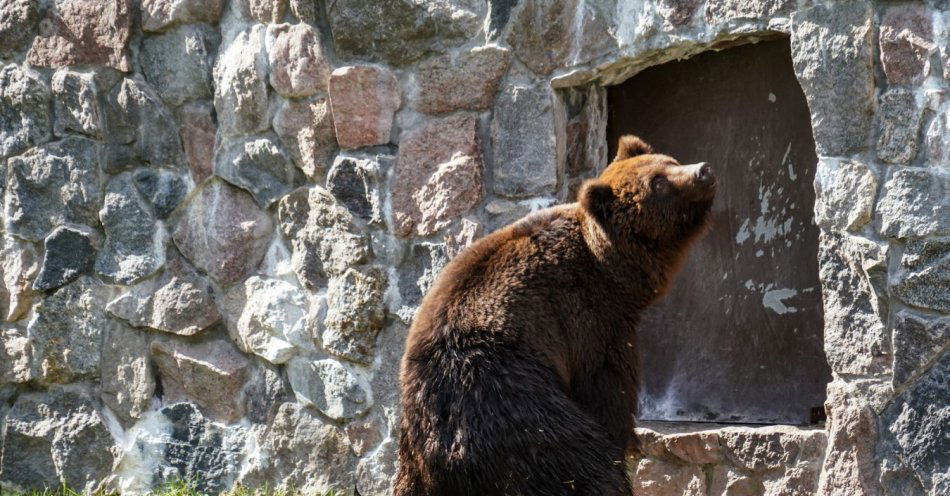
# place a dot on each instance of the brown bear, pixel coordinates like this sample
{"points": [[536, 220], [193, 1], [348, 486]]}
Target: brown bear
{"points": [[520, 371]]}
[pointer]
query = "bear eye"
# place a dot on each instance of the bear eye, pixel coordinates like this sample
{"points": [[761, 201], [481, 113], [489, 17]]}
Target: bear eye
{"points": [[659, 184]]}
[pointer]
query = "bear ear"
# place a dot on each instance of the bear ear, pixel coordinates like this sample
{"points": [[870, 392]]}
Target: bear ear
{"points": [[631, 146], [597, 198]]}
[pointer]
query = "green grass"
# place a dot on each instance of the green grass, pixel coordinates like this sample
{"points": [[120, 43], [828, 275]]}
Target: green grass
{"points": [[176, 488]]}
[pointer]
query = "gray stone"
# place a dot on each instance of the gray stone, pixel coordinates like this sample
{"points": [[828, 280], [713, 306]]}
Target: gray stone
{"points": [[304, 10], [265, 392], [899, 126], [140, 128], [163, 189], [400, 31], [68, 253], [850, 463], [522, 134], [178, 63], [306, 128], [52, 185], [719, 11], [240, 85], [923, 279], [467, 81], [264, 11], [831, 52], [315, 454], [158, 15], [66, 332], [15, 357], [76, 101], [259, 165], [438, 176], [324, 238], [211, 374], [917, 340], [334, 388], [197, 133], [56, 437], [19, 265], [135, 245], [907, 42], [845, 192], [127, 377], [355, 314], [416, 276], [937, 138], [856, 339], [547, 35], [25, 119], [84, 32], [466, 232], [223, 232], [919, 421], [179, 301], [267, 317], [192, 447], [914, 203], [355, 182], [298, 62], [18, 20], [678, 13], [897, 479]]}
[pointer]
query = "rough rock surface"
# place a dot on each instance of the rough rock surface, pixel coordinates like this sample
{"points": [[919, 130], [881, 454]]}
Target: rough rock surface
{"points": [[915, 202], [267, 317], [164, 190], [299, 66], [16, 354], [68, 253], [66, 332], [76, 103], [467, 81], [332, 387], [718, 11], [178, 63], [856, 341], [306, 129], [425, 260], [140, 128], [907, 42], [240, 84], [56, 436], [223, 232], [264, 11], [544, 35], [363, 99], [158, 15], [197, 133], [18, 20], [324, 237], [923, 279], [135, 244], [846, 192], [668, 479], [918, 339], [899, 126], [19, 265], [400, 31], [837, 75], [179, 301], [84, 32], [356, 314], [438, 175], [355, 181], [25, 119], [849, 466], [522, 134], [127, 377], [210, 374], [258, 164]]}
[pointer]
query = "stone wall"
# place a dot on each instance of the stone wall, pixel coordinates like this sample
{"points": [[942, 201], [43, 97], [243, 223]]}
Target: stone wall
{"points": [[219, 216]]}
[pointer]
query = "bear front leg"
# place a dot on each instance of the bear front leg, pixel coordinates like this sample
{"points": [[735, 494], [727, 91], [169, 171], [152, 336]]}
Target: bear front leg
{"points": [[610, 396]]}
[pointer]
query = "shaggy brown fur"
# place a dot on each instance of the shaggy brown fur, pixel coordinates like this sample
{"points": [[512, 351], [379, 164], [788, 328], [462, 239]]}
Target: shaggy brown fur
{"points": [[520, 371]]}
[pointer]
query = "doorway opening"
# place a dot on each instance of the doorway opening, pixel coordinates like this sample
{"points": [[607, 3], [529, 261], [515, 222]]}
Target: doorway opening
{"points": [[739, 337]]}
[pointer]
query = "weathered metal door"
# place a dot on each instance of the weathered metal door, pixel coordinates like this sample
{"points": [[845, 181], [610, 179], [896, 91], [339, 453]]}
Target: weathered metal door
{"points": [[739, 338]]}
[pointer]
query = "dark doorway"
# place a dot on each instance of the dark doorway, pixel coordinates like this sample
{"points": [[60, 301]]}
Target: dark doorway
{"points": [[739, 337]]}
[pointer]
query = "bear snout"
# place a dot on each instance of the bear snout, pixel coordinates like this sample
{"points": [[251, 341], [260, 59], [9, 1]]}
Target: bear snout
{"points": [[705, 173]]}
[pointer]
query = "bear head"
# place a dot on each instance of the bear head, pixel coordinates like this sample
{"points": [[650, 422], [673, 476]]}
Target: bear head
{"points": [[650, 197]]}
